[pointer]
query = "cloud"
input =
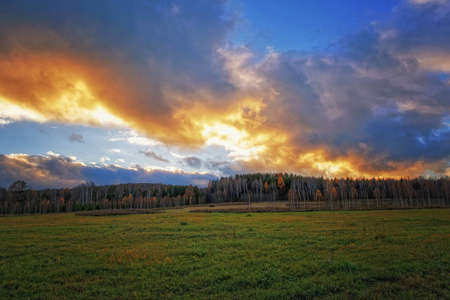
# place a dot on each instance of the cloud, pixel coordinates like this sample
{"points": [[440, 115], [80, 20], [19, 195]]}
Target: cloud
{"points": [[371, 107], [40, 171], [124, 68], [73, 137], [135, 138], [421, 33], [5, 122], [151, 154], [193, 162], [373, 104], [104, 159], [57, 171], [421, 2], [226, 168], [142, 141]]}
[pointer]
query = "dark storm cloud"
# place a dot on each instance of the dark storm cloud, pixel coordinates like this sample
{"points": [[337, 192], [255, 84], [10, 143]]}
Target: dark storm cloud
{"points": [[73, 137], [421, 25], [57, 171], [152, 154], [409, 136]]}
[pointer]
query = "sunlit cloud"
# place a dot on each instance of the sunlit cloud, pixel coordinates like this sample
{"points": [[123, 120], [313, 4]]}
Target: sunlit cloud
{"points": [[15, 112], [50, 153], [66, 110], [135, 138], [239, 67], [5, 122], [104, 159], [54, 91], [433, 59], [235, 141], [142, 141]]}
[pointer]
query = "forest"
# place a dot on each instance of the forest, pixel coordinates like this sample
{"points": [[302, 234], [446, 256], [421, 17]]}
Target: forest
{"points": [[297, 190]]}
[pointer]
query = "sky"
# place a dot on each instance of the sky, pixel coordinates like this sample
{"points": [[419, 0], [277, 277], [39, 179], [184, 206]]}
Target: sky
{"points": [[183, 92]]}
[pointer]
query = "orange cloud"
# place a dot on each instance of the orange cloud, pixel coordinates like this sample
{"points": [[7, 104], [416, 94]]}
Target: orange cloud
{"points": [[319, 163], [55, 87], [51, 87]]}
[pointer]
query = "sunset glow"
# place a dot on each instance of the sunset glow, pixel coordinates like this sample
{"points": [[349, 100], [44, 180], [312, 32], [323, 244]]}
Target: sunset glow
{"points": [[160, 87]]}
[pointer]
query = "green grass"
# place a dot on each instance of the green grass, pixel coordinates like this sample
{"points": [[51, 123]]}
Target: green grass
{"points": [[364, 254]]}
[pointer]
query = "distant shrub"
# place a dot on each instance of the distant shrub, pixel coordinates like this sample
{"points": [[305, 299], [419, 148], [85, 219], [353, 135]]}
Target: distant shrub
{"points": [[77, 207]]}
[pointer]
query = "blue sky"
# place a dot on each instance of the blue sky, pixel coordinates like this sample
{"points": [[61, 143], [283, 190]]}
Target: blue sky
{"points": [[306, 26], [181, 93]]}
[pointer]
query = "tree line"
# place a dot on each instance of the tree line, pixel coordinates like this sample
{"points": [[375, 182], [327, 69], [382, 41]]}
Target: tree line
{"points": [[19, 198], [299, 192], [343, 193]]}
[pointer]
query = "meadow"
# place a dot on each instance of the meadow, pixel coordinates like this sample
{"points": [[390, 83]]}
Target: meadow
{"points": [[402, 254]]}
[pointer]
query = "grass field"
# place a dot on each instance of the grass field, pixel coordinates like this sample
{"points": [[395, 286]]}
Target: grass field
{"points": [[359, 254]]}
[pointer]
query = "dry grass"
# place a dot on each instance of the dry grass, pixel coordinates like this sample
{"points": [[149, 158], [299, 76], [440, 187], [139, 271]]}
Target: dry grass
{"points": [[117, 212]]}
